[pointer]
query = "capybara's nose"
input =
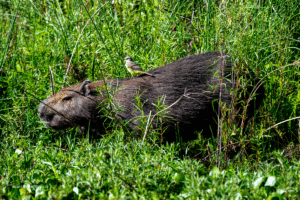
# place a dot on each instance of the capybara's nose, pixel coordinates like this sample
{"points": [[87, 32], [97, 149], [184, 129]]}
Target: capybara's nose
{"points": [[41, 109]]}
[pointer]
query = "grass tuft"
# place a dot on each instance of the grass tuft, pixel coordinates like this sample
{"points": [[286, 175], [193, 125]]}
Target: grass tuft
{"points": [[82, 40]]}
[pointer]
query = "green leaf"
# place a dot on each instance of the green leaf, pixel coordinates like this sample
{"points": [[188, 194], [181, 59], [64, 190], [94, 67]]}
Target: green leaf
{"points": [[39, 191], [271, 181], [75, 190], [177, 178], [214, 172], [27, 186], [23, 191], [238, 196], [257, 182], [280, 191], [18, 151], [47, 163], [18, 68]]}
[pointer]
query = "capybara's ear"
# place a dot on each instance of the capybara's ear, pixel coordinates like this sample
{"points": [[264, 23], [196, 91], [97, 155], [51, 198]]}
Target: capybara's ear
{"points": [[85, 88]]}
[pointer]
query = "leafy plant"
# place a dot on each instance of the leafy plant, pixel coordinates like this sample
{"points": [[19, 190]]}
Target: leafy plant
{"points": [[82, 39]]}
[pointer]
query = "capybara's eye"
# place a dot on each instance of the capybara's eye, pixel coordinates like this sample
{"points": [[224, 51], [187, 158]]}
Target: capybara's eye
{"points": [[68, 98]]}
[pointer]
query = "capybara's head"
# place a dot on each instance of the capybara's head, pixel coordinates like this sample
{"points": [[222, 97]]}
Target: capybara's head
{"points": [[71, 107]]}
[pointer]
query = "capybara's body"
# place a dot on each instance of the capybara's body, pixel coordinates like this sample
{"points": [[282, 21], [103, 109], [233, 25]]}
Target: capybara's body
{"points": [[197, 77]]}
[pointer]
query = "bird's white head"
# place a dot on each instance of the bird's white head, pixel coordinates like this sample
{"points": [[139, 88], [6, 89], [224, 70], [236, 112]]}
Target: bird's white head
{"points": [[128, 58]]}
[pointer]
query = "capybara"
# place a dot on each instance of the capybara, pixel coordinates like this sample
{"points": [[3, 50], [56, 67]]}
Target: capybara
{"points": [[198, 77]]}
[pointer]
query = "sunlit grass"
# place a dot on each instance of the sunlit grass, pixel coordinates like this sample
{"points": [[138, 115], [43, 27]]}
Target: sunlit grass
{"points": [[94, 37]]}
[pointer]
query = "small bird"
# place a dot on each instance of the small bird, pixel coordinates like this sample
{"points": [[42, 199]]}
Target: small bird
{"points": [[296, 63], [133, 68]]}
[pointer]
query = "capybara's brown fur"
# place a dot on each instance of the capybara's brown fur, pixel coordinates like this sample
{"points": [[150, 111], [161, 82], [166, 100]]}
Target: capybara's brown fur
{"points": [[196, 76]]}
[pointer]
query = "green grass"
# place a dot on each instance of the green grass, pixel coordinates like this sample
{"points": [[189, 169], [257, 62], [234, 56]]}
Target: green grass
{"points": [[37, 162]]}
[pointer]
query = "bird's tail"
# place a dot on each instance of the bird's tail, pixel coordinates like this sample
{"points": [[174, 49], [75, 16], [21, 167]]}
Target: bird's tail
{"points": [[149, 74]]}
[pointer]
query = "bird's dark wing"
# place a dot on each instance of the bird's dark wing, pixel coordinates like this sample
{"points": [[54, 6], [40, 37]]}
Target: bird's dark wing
{"points": [[136, 67]]}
